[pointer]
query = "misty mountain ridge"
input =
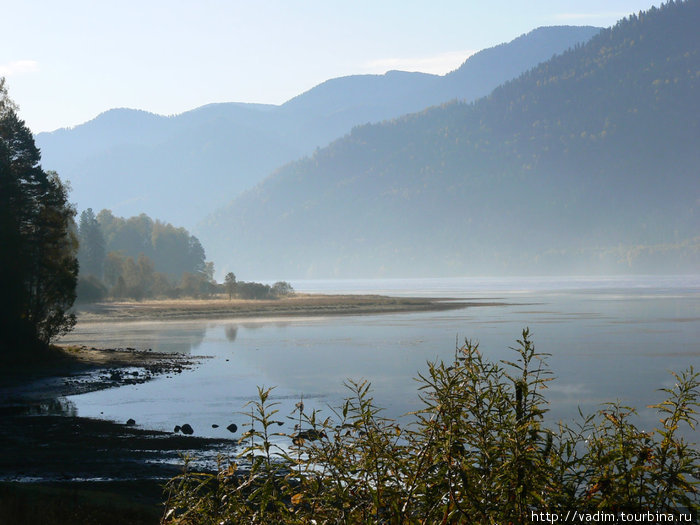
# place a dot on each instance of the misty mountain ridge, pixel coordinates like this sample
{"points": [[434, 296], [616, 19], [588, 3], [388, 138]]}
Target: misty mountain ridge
{"points": [[589, 163], [180, 168]]}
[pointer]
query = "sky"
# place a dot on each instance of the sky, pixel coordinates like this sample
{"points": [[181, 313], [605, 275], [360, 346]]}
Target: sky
{"points": [[66, 62]]}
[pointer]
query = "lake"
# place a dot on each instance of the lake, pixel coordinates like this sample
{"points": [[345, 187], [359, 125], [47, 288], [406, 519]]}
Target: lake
{"points": [[609, 338]]}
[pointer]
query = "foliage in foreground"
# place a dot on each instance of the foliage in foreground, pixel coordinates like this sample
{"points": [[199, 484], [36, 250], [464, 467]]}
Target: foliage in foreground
{"points": [[477, 452]]}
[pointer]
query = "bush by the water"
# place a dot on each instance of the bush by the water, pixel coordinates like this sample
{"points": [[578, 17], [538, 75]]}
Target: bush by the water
{"points": [[478, 451], [253, 290]]}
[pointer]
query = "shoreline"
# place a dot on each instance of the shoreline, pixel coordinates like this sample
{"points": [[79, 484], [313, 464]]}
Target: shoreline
{"points": [[52, 452], [54, 456], [35, 410], [293, 306], [70, 370], [37, 390]]}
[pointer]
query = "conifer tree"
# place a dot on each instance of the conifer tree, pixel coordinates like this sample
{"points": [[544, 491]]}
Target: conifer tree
{"points": [[38, 265], [91, 253]]}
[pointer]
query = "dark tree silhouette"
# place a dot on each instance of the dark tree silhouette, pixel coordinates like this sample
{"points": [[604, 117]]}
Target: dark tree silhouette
{"points": [[38, 265]]}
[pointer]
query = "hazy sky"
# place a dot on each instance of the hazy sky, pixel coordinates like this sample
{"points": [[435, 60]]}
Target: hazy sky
{"points": [[68, 61]]}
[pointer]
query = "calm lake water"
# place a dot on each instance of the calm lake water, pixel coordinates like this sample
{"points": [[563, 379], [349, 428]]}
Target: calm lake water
{"points": [[609, 338]]}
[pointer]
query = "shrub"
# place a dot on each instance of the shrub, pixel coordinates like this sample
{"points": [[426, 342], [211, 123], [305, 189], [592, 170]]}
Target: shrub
{"points": [[478, 451], [252, 290], [282, 289]]}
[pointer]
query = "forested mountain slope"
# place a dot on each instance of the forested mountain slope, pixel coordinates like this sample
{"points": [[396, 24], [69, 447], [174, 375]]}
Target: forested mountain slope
{"points": [[183, 167], [588, 163]]}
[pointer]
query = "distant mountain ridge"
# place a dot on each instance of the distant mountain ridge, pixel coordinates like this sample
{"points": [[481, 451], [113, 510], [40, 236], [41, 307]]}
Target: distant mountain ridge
{"points": [[589, 163], [181, 168]]}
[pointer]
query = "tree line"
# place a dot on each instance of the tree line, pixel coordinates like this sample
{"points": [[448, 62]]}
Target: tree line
{"points": [[47, 259], [139, 257]]}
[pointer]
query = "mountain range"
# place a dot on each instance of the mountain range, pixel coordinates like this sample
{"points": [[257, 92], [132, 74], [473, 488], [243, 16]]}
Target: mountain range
{"points": [[181, 168], [588, 163]]}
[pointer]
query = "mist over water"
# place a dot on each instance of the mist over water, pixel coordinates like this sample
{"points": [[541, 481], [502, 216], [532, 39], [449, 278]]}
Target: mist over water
{"points": [[609, 338]]}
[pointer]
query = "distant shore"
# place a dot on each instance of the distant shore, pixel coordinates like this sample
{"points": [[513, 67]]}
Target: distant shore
{"points": [[296, 305]]}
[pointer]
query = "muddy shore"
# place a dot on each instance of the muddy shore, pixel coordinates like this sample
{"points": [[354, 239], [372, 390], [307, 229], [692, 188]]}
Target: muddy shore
{"points": [[57, 467], [48, 441]]}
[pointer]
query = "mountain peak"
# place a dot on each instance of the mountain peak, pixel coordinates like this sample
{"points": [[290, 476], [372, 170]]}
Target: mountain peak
{"points": [[586, 163], [201, 159]]}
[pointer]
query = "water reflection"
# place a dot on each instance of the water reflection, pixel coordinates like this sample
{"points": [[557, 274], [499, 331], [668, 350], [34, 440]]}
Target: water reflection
{"points": [[250, 325], [52, 407], [598, 354], [165, 337], [231, 332]]}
